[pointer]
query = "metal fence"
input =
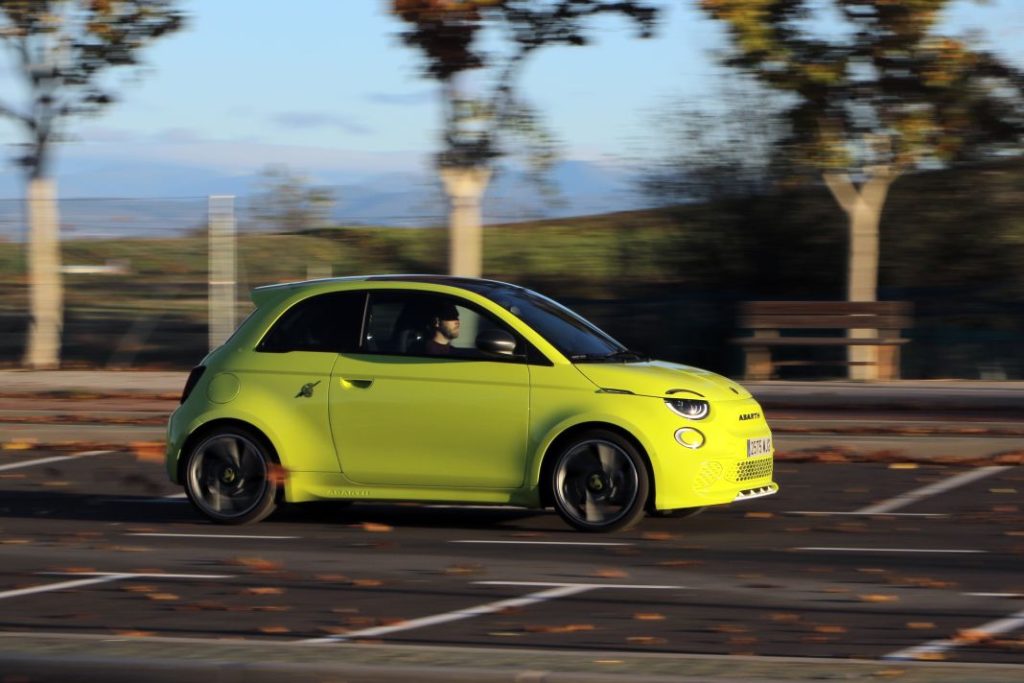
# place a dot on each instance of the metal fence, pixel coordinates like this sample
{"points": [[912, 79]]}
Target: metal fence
{"points": [[142, 287]]}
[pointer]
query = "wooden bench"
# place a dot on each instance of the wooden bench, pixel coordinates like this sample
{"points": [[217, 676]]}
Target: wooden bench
{"points": [[877, 326]]}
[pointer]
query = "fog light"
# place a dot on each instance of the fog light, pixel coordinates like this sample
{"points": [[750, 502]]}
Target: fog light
{"points": [[689, 438]]}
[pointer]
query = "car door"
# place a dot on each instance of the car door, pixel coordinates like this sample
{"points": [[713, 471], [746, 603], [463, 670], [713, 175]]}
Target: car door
{"points": [[287, 374], [402, 417]]}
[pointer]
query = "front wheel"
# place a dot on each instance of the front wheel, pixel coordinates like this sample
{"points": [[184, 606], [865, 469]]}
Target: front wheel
{"points": [[599, 482], [228, 476]]}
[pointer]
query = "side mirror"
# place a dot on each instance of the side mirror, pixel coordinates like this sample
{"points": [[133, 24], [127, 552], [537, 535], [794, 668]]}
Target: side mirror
{"points": [[496, 341]]}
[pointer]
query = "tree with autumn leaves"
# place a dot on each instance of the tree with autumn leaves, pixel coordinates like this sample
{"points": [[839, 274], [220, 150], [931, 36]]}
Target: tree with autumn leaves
{"points": [[880, 95], [63, 51], [477, 127]]}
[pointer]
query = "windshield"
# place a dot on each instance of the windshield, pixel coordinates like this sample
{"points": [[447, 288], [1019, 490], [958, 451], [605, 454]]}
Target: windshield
{"points": [[576, 338]]}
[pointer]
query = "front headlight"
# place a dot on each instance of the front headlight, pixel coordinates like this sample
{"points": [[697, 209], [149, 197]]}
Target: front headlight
{"points": [[690, 408]]}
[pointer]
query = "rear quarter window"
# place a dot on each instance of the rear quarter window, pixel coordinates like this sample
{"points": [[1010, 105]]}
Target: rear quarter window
{"points": [[326, 322]]}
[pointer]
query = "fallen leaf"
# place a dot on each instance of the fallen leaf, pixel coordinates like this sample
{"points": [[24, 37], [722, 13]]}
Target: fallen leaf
{"points": [[903, 466], [759, 515], [646, 640], [920, 625], [257, 564], [367, 583], [138, 588], [566, 628], [784, 618], [610, 574], [375, 528], [464, 570], [657, 536], [265, 590], [972, 636], [148, 451], [274, 629], [829, 628], [161, 597], [649, 616], [876, 597], [135, 634]]}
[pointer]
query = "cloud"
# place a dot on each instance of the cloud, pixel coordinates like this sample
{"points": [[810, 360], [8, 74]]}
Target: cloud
{"points": [[298, 119], [401, 99]]}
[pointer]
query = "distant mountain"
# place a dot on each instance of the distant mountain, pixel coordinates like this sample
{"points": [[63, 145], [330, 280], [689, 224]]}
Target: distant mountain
{"points": [[130, 197]]}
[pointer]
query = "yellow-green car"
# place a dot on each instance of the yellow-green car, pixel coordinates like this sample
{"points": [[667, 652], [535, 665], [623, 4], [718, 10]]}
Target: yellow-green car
{"points": [[436, 388]]}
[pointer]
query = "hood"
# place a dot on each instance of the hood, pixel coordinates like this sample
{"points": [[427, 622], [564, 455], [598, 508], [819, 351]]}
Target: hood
{"points": [[663, 380]]}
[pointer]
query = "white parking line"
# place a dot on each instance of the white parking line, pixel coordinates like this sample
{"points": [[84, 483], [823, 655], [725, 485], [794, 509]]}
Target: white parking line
{"points": [[569, 543], [890, 550], [56, 458], [458, 615], [45, 588], [938, 487], [628, 586], [971, 636], [554, 590], [95, 578], [813, 513], [264, 538]]}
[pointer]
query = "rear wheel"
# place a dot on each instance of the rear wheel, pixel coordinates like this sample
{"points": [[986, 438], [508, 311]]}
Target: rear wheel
{"points": [[599, 482], [228, 476]]}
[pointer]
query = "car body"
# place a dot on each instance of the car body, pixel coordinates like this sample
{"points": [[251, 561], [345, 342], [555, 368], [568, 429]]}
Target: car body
{"points": [[326, 392]]}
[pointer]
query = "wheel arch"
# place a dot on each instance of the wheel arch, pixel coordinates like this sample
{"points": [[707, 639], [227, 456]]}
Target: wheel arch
{"points": [[209, 427], [566, 435]]}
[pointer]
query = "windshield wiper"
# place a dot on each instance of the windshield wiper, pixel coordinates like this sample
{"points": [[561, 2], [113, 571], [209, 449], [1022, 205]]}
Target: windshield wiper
{"points": [[624, 355], [628, 355]]}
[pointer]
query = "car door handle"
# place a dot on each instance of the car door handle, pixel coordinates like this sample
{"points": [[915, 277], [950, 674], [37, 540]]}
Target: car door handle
{"points": [[353, 383]]}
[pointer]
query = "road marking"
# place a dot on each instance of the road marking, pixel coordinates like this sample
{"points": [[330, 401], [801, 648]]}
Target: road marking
{"points": [[569, 543], [458, 615], [63, 585], [938, 487], [141, 575], [629, 586], [553, 590], [812, 513], [891, 550], [265, 538], [971, 637], [56, 458], [996, 595], [96, 578]]}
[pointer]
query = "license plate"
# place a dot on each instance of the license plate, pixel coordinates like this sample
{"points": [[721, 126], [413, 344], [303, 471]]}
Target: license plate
{"points": [[762, 446]]}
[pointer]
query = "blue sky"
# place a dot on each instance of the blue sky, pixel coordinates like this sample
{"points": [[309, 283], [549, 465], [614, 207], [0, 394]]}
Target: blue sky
{"points": [[326, 84]]}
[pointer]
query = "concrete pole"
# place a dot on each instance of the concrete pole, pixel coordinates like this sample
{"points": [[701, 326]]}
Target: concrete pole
{"points": [[222, 278], [46, 293], [465, 187]]}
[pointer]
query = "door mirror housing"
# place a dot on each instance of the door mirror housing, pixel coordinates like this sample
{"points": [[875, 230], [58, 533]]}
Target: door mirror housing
{"points": [[496, 341]]}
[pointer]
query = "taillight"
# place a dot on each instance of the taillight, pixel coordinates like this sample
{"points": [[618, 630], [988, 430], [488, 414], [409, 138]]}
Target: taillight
{"points": [[192, 381]]}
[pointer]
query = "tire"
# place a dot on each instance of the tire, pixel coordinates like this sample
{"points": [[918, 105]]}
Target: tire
{"points": [[228, 476], [680, 513], [599, 482]]}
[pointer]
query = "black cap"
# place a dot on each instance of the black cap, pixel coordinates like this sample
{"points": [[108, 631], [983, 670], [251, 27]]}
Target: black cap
{"points": [[446, 312]]}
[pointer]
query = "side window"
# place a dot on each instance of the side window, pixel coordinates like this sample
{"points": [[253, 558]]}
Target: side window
{"points": [[425, 324], [328, 322]]}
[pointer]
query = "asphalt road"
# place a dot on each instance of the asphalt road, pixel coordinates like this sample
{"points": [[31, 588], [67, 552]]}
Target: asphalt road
{"points": [[883, 562]]}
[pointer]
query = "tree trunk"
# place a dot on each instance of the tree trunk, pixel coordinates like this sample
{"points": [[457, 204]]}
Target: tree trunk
{"points": [[465, 187], [46, 294], [863, 209]]}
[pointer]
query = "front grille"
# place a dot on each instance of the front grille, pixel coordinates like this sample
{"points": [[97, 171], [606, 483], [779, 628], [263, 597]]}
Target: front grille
{"points": [[709, 473], [754, 469]]}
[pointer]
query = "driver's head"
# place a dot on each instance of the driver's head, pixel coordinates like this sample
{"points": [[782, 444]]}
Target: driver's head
{"points": [[446, 321]]}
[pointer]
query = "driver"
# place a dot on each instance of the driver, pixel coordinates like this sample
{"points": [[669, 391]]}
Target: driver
{"points": [[444, 327]]}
